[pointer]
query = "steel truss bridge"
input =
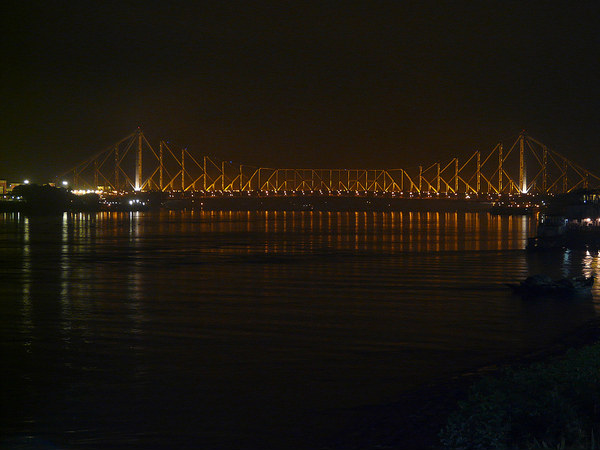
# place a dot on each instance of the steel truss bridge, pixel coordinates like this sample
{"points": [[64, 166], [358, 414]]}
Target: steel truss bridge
{"points": [[525, 167]]}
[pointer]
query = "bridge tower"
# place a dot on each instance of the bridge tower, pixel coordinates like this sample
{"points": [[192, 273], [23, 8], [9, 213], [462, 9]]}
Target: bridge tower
{"points": [[161, 166], [138, 163], [478, 172], [522, 166], [116, 151], [500, 159]]}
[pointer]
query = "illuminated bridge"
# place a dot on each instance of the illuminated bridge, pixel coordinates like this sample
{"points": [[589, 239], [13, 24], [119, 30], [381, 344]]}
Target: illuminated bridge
{"points": [[525, 167]]}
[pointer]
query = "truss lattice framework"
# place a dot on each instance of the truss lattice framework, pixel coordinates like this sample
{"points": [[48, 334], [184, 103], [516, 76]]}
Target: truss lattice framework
{"points": [[527, 166]]}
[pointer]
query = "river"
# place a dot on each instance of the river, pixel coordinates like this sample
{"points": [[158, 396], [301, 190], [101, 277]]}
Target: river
{"points": [[253, 329]]}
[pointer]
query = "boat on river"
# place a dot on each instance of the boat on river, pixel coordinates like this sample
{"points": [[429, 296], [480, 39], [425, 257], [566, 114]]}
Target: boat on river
{"points": [[541, 284]]}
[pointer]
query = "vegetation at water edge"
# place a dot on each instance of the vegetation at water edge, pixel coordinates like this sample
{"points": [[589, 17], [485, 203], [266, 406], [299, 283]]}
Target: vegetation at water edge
{"points": [[553, 404]]}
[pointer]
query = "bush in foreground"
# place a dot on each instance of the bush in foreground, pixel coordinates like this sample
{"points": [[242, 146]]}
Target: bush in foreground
{"points": [[546, 405]]}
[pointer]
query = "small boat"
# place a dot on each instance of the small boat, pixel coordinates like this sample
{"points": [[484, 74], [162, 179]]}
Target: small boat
{"points": [[544, 285]]}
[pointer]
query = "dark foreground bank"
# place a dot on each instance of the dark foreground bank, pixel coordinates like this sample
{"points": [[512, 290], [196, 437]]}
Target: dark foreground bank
{"points": [[423, 418]]}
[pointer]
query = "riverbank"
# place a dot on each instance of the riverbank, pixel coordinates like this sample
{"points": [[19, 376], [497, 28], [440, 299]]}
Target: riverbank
{"points": [[145, 201], [335, 203], [415, 420]]}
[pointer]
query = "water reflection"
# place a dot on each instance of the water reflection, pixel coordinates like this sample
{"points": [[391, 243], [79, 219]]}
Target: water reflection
{"points": [[27, 326], [129, 323]]}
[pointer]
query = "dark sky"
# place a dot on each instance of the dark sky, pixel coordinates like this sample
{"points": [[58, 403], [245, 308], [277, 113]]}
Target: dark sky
{"points": [[305, 84]]}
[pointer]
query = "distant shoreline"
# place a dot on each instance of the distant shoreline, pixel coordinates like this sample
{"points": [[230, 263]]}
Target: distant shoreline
{"points": [[266, 203], [335, 203]]}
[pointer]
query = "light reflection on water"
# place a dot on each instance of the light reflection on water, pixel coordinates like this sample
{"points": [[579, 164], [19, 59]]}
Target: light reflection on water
{"points": [[212, 328]]}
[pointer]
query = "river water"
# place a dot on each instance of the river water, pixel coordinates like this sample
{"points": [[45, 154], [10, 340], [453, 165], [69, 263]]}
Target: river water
{"points": [[253, 329]]}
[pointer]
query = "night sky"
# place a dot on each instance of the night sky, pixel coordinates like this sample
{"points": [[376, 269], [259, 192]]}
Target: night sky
{"points": [[297, 84]]}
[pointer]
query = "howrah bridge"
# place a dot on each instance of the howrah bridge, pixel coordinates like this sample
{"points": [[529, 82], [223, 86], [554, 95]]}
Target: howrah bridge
{"points": [[132, 164]]}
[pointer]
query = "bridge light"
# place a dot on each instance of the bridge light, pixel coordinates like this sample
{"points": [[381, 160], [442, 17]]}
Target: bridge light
{"points": [[26, 181], [65, 183]]}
